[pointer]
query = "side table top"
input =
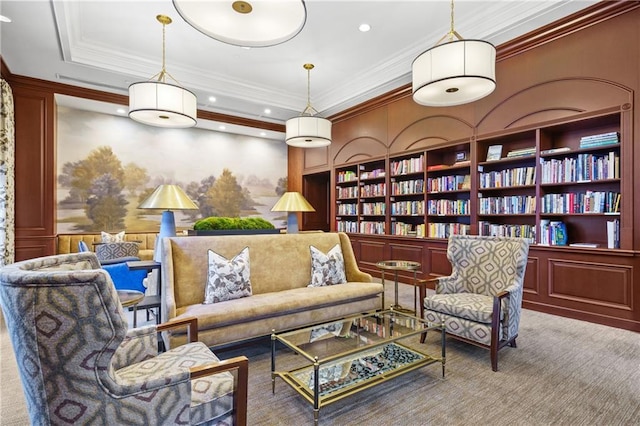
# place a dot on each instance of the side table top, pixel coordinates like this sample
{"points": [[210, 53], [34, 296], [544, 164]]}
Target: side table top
{"points": [[143, 264], [130, 297], [398, 265]]}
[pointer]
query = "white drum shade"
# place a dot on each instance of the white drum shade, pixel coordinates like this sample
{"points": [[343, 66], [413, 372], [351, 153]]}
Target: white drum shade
{"points": [[454, 73], [250, 23], [308, 132], [161, 104]]}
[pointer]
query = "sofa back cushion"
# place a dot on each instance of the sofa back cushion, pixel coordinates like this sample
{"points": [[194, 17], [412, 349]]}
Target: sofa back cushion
{"points": [[278, 261]]}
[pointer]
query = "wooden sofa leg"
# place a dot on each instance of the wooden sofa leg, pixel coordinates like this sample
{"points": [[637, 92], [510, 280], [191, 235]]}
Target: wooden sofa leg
{"points": [[423, 337]]}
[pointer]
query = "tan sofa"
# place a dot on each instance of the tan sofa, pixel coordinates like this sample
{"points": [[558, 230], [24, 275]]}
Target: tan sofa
{"points": [[68, 243], [280, 268]]}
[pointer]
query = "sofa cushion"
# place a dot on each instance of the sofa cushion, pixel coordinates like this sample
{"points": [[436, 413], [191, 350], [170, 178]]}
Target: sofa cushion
{"points": [[276, 304], [228, 279], [327, 269], [112, 238]]}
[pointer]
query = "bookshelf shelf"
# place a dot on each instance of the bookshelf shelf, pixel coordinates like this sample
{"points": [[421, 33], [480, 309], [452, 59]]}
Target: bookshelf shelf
{"points": [[576, 164]]}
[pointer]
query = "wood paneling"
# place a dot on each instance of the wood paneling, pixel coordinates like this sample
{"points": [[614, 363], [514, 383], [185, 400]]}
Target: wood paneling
{"points": [[35, 171], [600, 284], [531, 284]]}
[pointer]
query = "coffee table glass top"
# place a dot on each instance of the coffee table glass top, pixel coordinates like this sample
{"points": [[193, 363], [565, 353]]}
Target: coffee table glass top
{"points": [[352, 354]]}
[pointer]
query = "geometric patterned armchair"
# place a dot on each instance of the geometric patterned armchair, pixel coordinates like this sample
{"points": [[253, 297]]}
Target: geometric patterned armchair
{"points": [[481, 301], [79, 363]]}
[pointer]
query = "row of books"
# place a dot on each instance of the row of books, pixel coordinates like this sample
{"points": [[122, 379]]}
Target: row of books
{"points": [[506, 230], [407, 187], [372, 174], [377, 209], [553, 233], [509, 204], [347, 176], [373, 190], [372, 227], [449, 183], [448, 207], [510, 177], [401, 228], [600, 139], [583, 167], [347, 209], [408, 208], [347, 192], [581, 202], [347, 226], [409, 165], [444, 230]]}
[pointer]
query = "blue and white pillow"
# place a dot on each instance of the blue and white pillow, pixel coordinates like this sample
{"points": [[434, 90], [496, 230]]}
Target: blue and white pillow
{"points": [[327, 269], [228, 279]]}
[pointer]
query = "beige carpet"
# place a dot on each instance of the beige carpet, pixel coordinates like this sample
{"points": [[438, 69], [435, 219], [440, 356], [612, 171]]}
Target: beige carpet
{"points": [[564, 372]]}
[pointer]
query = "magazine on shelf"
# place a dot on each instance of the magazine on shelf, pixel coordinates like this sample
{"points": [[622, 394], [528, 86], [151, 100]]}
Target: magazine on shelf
{"points": [[494, 152]]}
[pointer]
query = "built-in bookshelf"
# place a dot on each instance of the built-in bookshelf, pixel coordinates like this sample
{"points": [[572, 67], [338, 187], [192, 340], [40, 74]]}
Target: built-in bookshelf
{"points": [[448, 191], [347, 192], [558, 184], [407, 183]]}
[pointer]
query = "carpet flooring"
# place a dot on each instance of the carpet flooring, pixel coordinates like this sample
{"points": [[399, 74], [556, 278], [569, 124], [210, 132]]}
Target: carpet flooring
{"points": [[563, 372]]}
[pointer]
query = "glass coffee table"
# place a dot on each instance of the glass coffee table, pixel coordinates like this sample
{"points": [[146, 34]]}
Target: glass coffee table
{"points": [[340, 358]]}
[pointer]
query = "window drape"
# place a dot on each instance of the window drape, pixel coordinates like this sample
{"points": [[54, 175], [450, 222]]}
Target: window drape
{"points": [[7, 175]]}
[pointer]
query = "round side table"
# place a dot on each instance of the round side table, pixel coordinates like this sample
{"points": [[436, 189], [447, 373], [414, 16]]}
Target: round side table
{"points": [[396, 266], [130, 297]]}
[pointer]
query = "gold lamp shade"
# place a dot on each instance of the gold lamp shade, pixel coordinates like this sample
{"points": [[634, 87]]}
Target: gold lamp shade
{"points": [[168, 197], [292, 202]]}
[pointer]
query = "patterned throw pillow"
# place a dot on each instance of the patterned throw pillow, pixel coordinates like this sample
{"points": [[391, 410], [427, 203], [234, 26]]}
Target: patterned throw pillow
{"points": [[117, 250], [327, 269], [112, 238], [228, 279]]}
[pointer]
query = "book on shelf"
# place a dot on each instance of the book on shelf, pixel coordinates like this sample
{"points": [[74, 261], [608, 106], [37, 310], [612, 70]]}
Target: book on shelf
{"points": [[591, 141], [587, 245], [613, 234], [437, 167], [555, 150], [494, 152], [523, 152]]}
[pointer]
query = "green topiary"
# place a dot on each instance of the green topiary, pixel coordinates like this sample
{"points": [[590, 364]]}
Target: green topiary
{"points": [[218, 223]]}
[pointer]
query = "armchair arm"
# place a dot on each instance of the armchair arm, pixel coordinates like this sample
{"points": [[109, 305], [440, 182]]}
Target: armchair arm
{"points": [[241, 365], [446, 285], [190, 322]]}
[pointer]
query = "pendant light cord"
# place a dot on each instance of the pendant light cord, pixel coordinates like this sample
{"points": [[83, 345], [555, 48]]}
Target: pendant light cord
{"points": [[309, 109]]}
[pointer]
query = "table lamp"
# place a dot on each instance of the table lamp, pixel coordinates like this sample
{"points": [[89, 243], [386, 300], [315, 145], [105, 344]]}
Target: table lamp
{"points": [[167, 198], [292, 203]]}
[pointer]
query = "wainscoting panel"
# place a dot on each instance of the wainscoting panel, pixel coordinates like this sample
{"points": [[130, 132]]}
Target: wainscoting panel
{"points": [[602, 284]]}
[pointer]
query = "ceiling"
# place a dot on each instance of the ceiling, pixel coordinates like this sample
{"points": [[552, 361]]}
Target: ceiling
{"points": [[107, 45]]}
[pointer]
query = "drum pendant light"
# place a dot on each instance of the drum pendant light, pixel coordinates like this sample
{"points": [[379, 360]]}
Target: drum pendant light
{"points": [[455, 72], [308, 130], [161, 104]]}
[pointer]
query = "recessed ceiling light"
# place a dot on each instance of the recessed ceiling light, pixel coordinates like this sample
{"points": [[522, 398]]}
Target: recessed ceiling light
{"points": [[121, 111], [222, 127], [267, 111], [364, 27], [263, 134], [4, 18], [212, 98]]}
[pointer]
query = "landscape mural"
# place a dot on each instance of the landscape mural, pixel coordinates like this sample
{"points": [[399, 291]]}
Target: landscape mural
{"points": [[108, 164]]}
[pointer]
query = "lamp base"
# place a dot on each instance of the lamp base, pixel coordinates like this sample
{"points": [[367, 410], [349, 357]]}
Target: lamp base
{"points": [[167, 229], [292, 223]]}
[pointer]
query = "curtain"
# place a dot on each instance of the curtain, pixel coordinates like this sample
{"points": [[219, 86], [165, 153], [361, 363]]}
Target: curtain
{"points": [[7, 175]]}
